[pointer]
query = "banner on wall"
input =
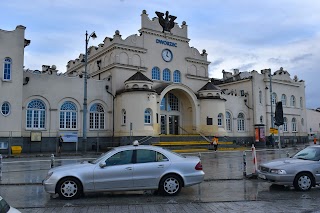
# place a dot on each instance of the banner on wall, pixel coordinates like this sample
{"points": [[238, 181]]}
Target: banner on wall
{"points": [[257, 134], [69, 136]]}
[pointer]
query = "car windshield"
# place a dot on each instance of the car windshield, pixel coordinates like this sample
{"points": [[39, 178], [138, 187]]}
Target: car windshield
{"points": [[100, 158], [309, 153], [4, 206]]}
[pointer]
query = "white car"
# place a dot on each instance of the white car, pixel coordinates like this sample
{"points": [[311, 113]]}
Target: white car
{"points": [[124, 168], [6, 208]]}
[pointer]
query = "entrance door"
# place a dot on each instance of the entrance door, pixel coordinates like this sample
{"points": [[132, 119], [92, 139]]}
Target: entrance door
{"points": [[174, 124], [163, 121]]}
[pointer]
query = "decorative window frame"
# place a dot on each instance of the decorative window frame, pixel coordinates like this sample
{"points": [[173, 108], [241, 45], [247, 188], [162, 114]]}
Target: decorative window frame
{"points": [[292, 101], [166, 75], [148, 116], [36, 113], [285, 124], [294, 125], [7, 69], [241, 125], [284, 99], [220, 119], [228, 121], [123, 117], [176, 76], [97, 117], [5, 106], [155, 73], [68, 114]]}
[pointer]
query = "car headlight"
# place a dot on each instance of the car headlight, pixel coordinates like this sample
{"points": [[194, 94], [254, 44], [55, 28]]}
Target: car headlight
{"points": [[278, 171], [48, 175]]}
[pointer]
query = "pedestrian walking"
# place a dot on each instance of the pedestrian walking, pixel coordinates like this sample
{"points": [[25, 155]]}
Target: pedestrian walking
{"points": [[60, 144], [215, 143]]}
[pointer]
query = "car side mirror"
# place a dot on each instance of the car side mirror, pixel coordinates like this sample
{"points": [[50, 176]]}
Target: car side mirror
{"points": [[102, 164]]}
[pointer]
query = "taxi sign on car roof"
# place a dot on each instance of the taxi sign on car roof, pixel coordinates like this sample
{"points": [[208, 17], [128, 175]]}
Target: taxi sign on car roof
{"points": [[135, 143]]}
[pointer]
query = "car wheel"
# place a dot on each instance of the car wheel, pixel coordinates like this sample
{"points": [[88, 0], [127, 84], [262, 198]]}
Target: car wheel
{"points": [[69, 188], [303, 182], [170, 185]]}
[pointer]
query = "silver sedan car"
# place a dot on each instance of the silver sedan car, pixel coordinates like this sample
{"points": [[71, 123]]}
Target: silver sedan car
{"points": [[302, 170], [133, 167]]}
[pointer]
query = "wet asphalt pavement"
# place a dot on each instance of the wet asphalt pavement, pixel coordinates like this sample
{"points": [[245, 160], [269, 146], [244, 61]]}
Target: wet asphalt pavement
{"points": [[225, 189]]}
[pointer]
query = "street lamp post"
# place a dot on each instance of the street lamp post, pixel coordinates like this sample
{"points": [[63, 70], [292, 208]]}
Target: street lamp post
{"points": [[271, 111], [270, 78], [85, 76]]}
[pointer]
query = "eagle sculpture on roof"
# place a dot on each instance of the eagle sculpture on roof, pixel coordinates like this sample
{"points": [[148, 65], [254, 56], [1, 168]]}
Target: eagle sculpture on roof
{"points": [[167, 23]]}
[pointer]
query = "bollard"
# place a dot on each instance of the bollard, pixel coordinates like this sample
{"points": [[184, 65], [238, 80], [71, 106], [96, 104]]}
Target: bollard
{"points": [[0, 167], [52, 160], [244, 164], [254, 158], [199, 187]]}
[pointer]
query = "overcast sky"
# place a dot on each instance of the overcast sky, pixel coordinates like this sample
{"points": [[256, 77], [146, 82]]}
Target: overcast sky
{"points": [[243, 34]]}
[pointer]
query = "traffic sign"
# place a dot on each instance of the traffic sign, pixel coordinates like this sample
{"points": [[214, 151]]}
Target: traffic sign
{"points": [[273, 131]]}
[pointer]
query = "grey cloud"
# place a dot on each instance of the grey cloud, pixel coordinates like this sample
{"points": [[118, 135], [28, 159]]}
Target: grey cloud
{"points": [[247, 67], [276, 60], [217, 62], [301, 57]]}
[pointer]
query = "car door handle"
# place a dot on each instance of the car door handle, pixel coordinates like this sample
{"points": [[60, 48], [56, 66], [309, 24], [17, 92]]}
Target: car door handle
{"points": [[129, 168], [160, 166]]}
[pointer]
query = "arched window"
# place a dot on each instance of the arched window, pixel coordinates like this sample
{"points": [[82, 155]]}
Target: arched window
{"points": [[261, 119], [68, 115], [285, 124], [155, 73], [166, 75], [173, 104], [5, 108], [7, 67], [240, 121], [274, 98], [220, 119], [163, 104], [301, 103], [228, 121], [147, 116], [124, 117], [176, 76], [294, 125], [292, 101], [302, 122], [170, 102], [284, 99], [260, 97], [36, 114], [96, 116]]}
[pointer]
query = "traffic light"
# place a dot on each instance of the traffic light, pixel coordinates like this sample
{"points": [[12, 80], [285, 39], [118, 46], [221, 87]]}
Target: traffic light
{"points": [[279, 114]]}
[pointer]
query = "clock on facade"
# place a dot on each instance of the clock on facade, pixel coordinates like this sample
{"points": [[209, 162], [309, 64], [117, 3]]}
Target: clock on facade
{"points": [[167, 55]]}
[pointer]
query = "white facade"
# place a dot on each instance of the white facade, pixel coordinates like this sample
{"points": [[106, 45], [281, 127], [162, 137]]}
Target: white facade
{"points": [[151, 84]]}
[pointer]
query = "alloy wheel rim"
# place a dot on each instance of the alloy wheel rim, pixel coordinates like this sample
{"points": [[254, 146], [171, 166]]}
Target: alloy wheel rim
{"points": [[171, 185], [304, 182], [69, 188]]}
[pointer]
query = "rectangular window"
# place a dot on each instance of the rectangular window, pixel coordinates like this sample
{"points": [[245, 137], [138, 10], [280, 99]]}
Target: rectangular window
{"points": [[74, 120], [241, 125], [147, 119], [228, 123], [101, 121], [285, 127], [7, 71], [91, 121]]}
